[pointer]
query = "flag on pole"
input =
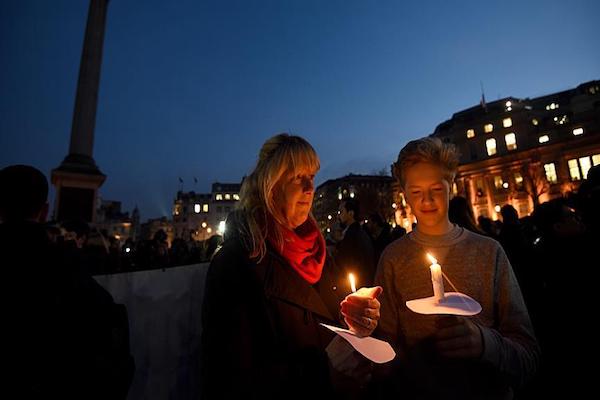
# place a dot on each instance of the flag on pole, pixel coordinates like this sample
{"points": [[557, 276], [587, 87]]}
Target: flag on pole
{"points": [[482, 102], [180, 180]]}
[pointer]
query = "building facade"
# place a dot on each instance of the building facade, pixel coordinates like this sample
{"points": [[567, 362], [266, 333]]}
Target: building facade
{"points": [[525, 151], [113, 222], [374, 193], [198, 216]]}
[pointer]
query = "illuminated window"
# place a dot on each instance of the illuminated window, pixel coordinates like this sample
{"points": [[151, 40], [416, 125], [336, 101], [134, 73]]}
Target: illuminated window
{"points": [[578, 131], [561, 120], [543, 139], [518, 180], [585, 164], [595, 159], [218, 196], [470, 133], [197, 208], [227, 196], [488, 128], [339, 196], [490, 144], [351, 195], [550, 172], [552, 106], [205, 208], [507, 122], [535, 122], [574, 170], [237, 196], [508, 106], [511, 141], [498, 182]]}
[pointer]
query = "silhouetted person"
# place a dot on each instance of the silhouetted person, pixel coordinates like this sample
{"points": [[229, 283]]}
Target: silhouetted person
{"points": [[64, 336], [568, 265], [487, 226], [160, 249], [380, 232], [397, 232], [589, 200], [461, 214], [354, 252]]}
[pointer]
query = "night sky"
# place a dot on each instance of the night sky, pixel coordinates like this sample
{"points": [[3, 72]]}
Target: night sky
{"points": [[193, 88]]}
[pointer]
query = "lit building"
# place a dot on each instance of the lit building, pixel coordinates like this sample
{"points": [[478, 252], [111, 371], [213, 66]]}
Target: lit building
{"points": [[525, 151], [374, 193], [113, 222], [198, 216]]}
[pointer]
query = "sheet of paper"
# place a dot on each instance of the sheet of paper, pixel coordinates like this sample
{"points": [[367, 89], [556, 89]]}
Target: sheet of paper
{"points": [[375, 350], [454, 304]]}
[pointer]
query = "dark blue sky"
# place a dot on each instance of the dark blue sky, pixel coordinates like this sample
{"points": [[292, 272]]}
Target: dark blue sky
{"points": [[193, 88]]}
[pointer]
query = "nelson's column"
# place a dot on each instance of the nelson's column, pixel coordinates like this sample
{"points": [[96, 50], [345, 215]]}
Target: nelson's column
{"points": [[78, 178]]}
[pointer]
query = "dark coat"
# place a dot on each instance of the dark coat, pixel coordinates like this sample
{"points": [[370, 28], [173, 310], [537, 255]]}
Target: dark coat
{"points": [[354, 253], [67, 337], [261, 336]]}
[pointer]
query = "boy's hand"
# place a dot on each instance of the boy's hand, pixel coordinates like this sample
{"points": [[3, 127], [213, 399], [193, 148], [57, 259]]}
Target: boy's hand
{"points": [[458, 337]]}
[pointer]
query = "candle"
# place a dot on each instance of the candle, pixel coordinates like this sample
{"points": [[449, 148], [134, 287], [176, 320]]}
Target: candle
{"points": [[437, 279], [352, 282]]}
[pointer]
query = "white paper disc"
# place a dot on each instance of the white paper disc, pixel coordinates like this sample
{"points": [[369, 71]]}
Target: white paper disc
{"points": [[454, 304]]}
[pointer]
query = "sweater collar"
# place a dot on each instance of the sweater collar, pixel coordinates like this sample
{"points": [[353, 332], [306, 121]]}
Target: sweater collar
{"points": [[455, 235]]}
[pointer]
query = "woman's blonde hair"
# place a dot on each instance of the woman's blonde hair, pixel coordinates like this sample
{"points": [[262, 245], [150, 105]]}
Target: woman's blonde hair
{"points": [[281, 156], [430, 150]]}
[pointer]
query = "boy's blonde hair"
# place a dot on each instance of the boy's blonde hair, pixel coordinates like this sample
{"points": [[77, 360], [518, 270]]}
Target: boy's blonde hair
{"points": [[429, 150]]}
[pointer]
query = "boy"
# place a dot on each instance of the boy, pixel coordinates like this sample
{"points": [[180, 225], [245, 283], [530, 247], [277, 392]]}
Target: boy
{"points": [[485, 356]]}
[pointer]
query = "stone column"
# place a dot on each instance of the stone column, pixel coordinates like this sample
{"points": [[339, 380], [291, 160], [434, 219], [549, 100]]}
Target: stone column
{"points": [[78, 178]]}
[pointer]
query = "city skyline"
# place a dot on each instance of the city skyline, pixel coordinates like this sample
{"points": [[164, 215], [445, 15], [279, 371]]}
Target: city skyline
{"points": [[192, 90]]}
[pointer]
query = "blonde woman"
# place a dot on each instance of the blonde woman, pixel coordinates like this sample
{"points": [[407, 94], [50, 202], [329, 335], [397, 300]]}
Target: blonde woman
{"points": [[271, 284]]}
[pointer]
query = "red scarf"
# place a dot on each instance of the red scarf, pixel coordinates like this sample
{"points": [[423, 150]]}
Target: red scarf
{"points": [[304, 248]]}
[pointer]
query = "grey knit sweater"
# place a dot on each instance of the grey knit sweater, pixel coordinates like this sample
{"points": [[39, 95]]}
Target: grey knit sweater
{"points": [[478, 267]]}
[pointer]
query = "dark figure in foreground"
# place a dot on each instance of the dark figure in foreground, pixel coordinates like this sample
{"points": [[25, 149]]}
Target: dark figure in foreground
{"points": [[272, 284], [67, 339]]}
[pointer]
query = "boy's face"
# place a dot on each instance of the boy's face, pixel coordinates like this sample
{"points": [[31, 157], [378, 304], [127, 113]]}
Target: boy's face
{"points": [[428, 194]]}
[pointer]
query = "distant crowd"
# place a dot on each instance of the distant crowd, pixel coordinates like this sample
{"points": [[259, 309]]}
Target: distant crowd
{"points": [[105, 254]]}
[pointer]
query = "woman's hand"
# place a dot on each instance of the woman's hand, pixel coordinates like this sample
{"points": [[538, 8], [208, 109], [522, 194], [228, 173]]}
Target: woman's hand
{"points": [[361, 310]]}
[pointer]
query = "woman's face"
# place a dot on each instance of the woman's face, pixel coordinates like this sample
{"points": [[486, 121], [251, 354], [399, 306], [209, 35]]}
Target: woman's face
{"points": [[293, 196]]}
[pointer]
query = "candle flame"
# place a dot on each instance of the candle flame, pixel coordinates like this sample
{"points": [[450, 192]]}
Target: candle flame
{"points": [[431, 258], [352, 282]]}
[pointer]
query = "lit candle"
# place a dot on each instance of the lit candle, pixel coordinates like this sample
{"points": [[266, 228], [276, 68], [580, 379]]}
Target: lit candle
{"points": [[352, 282], [437, 279]]}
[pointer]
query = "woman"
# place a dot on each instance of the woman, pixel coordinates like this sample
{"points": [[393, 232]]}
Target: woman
{"points": [[272, 284]]}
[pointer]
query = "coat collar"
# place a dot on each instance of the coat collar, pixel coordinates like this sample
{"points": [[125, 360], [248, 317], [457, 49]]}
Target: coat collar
{"points": [[282, 282]]}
